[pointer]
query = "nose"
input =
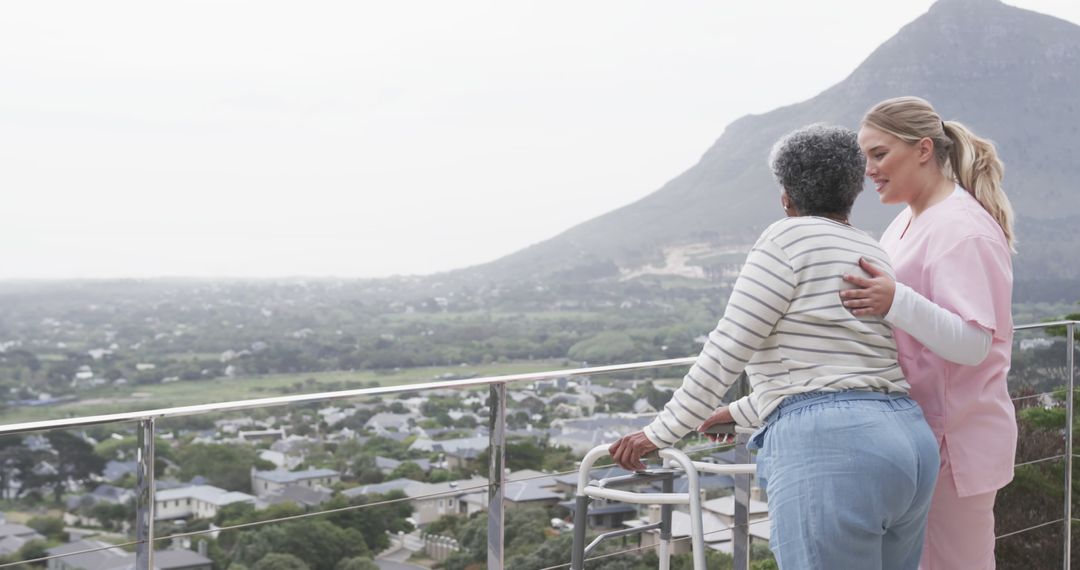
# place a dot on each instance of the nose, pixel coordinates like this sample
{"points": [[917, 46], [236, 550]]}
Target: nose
{"points": [[870, 170]]}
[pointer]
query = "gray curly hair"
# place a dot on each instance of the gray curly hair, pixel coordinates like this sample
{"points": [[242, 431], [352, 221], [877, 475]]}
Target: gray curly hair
{"points": [[821, 168]]}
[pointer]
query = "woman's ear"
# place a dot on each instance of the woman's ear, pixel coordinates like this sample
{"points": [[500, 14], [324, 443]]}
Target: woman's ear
{"points": [[785, 202], [926, 150]]}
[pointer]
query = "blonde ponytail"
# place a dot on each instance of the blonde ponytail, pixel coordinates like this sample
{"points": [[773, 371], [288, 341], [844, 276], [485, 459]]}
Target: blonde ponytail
{"points": [[978, 169], [972, 161]]}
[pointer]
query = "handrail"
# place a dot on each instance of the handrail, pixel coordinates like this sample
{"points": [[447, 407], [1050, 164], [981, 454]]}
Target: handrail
{"points": [[1030, 326], [67, 423]]}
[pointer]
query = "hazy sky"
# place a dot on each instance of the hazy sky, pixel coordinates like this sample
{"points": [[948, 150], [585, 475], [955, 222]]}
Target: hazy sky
{"points": [[261, 139]]}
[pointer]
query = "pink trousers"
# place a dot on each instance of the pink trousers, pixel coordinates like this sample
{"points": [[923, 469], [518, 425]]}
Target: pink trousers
{"points": [[960, 531]]}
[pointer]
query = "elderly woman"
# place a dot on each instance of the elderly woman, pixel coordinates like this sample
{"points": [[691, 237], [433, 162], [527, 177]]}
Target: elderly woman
{"points": [[847, 458]]}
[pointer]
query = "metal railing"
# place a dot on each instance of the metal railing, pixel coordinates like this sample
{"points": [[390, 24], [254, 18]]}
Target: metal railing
{"points": [[146, 430]]}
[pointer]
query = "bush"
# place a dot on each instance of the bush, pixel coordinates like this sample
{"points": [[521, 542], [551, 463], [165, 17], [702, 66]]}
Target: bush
{"points": [[275, 561]]}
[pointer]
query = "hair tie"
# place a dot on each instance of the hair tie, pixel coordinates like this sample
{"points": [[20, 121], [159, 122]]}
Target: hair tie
{"points": [[942, 126]]}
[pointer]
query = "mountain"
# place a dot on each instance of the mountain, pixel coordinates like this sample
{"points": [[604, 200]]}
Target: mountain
{"points": [[1012, 75]]}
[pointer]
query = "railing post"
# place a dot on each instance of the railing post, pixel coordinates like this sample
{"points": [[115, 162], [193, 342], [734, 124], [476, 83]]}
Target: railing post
{"points": [[740, 535], [1067, 539], [144, 506], [496, 474]]}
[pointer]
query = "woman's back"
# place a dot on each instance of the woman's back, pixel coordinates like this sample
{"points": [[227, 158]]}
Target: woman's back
{"points": [[815, 344]]}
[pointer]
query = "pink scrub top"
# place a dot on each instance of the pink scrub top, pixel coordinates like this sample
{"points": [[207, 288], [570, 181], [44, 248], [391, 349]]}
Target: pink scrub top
{"points": [[956, 255]]}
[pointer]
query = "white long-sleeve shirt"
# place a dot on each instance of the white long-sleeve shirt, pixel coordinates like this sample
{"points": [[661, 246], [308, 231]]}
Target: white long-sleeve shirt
{"points": [[786, 327], [937, 328]]}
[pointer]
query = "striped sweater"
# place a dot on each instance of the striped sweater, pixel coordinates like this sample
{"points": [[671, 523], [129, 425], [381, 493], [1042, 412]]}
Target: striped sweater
{"points": [[785, 326]]}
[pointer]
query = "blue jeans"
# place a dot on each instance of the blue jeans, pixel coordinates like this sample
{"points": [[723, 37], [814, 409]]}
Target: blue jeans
{"points": [[849, 477]]}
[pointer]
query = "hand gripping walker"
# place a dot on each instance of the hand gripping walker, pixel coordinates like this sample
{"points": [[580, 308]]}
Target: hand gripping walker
{"points": [[605, 489], [674, 461]]}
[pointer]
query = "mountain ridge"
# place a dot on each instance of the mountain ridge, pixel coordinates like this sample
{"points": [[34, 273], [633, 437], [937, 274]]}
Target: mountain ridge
{"points": [[1008, 73]]}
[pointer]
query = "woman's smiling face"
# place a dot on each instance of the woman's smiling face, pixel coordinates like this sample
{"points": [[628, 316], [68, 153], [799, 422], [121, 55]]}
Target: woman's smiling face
{"points": [[892, 164]]}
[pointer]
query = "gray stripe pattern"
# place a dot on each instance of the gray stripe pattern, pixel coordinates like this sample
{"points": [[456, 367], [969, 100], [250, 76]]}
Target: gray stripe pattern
{"points": [[824, 348]]}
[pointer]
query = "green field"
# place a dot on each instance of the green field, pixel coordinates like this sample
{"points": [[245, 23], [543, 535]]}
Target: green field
{"points": [[108, 400]]}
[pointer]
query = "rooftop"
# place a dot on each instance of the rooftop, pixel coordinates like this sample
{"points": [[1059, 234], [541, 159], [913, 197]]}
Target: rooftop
{"points": [[205, 493], [283, 476]]}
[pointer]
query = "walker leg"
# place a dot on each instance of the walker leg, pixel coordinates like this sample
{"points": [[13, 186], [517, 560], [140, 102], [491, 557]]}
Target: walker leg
{"points": [[665, 527], [581, 519]]}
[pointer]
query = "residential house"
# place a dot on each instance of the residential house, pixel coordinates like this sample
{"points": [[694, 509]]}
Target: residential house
{"points": [[112, 494], [463, 497], [383, 488], [299, 495], [266, 482], [261, 435], [458, 451], [642, 406], [451, 498], [604, 514], [581, 435], [293, 445], [196, 501], [14, 536], [77, 505], [706, 482], [531, 488], [584, 403], [717, 533], [388, 465], [601, 391], [387, 422], [567, 484], [724, 507], [117, 559], [117, 470], [334, 415]]}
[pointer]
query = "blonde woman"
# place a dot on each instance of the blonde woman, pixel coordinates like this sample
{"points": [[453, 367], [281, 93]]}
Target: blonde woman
{"points": [[950, 304]]}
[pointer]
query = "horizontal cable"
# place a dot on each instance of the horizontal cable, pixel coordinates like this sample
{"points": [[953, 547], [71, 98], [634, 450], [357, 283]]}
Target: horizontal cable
{"points": [[55, 556], [1018, 398], [1008, 534], [451, 492], [327, 512], [1062, 456], [638, 548]]}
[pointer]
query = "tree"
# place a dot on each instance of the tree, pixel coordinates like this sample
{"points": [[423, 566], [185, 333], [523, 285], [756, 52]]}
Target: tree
{"points": [[365, 470], [33, 550], [1063, 330], [15, 458], [524, 529], [619, 402], [317, 542], [275, 561], [523, 454], [605, 348], [357, 563], [50, 527], [408, 470], [656, 398], [374, 523], [75, 461], [226, 466], [113, 515], [245, 513]]}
